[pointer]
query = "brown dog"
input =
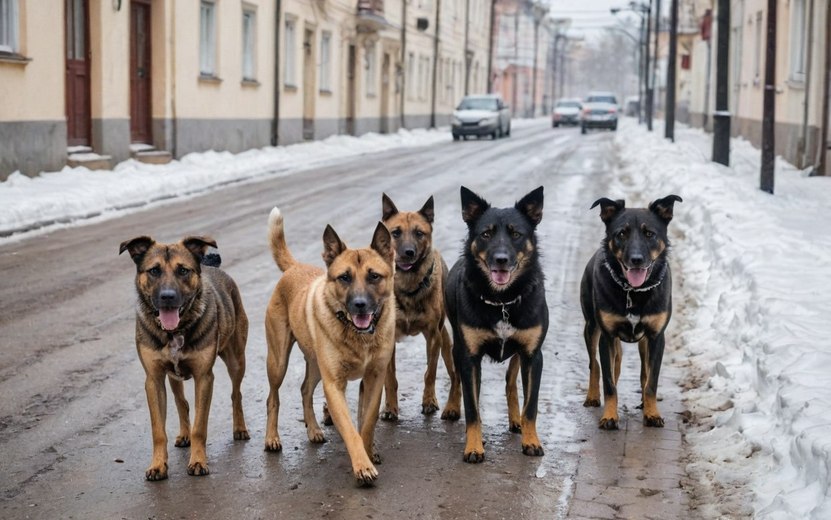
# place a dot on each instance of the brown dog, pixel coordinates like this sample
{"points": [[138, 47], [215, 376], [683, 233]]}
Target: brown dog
{"points": [[344, 321], [187, 315], [420, 275]]}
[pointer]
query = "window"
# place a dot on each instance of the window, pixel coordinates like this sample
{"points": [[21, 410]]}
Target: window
{"points": [[370, 70], [8, 26], [207, 39], [411, 76], [249, 38], [325, 59], [75, 30], [797, 44], [757, 59], [289, 77]]}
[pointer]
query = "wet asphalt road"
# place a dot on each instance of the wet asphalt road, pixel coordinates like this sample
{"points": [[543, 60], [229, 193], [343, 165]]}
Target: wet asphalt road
{"points": [[74, 426]]}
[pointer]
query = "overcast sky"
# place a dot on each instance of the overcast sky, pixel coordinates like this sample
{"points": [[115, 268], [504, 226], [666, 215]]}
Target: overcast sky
{"points": [[590, 16]]}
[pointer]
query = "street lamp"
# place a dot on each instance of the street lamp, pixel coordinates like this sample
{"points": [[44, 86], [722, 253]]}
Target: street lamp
{"points": [[644, 11]]}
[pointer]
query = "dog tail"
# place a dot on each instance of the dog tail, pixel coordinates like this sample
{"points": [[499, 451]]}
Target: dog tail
{"points": [[279, 249]]}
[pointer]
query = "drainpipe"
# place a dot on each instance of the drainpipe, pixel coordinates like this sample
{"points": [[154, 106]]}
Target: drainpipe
{"points": [[275, 122], [435, 66], [490, 47], [467, 58], [803, 140], [174, 127], [403, 76], [822, 148]]}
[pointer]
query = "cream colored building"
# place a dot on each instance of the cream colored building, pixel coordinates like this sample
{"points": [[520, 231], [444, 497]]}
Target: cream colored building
{"points": [[163, 78]]}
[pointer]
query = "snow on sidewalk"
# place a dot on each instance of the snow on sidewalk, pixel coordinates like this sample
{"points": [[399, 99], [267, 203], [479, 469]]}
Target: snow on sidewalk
{"points": [[752, 319]]}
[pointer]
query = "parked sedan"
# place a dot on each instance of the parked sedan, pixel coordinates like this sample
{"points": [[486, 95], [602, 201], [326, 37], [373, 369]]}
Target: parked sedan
{"points": [[566, 112], [481, 115], [600, 110]]}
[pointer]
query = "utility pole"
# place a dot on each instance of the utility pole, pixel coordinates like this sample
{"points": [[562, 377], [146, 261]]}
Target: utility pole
{"points": [[403, 76], [435, 66], [721, 117], [516, 60], [467, 45], [769, 106], [642, 57], [491, 50], [648, 109], [537, 18], [655, 62], [669, 130]]}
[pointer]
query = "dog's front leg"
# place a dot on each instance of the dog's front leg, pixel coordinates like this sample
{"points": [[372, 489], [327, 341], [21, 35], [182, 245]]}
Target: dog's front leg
{"points": [[371, 387], [391, 392], [204, 385], [157, 403], [470, 373], [531, 374], [609, 420], [655, 354], [511, 395], [362, 467]]}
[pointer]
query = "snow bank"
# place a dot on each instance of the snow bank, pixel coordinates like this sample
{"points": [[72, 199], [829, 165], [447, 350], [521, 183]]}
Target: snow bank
{"points": [[751, 323]]}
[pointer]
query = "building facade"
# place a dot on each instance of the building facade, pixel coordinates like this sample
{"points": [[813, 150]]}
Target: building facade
{"points": [[97, 81]]}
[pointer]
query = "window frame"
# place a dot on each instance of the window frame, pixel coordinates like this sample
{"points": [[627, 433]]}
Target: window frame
{"points": [[249, 43], [325, 66], [371, 70], [10, 26], [797, 46], [207, 39], [290, 52]]}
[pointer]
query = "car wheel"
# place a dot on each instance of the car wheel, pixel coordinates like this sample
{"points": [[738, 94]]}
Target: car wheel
{"points": [[614, 127], [582, 129], [509, 130], [554, 125], [456, 137]]}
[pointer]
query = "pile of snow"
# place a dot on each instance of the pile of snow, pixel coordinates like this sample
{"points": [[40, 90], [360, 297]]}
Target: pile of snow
{"points": [[751, 322]]}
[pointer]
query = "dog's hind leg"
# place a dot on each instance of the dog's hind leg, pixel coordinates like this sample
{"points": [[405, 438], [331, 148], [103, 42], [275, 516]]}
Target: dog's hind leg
{"points": [[390, 392], [235, 363], [591, 334], [307, 389], [453, 408], [512, 396], [429, 402], [183, 409], [280, 341]]}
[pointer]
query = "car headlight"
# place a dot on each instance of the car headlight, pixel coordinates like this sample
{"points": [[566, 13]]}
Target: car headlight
{"points": [[488, 121], [457, 121]]}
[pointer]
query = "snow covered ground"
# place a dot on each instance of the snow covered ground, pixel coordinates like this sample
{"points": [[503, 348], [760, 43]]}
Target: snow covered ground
{"points": [[751, 326]]}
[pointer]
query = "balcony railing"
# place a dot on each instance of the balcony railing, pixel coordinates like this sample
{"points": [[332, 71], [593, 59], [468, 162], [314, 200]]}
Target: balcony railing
{"points": [[371, 15]]}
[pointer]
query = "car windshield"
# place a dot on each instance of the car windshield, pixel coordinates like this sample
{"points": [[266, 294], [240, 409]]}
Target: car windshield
{"points": [[477, 104], [568, 104], [602, 99]]}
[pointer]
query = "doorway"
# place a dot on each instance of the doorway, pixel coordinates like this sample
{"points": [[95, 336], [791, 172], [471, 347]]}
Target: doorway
{"points": [[78, 111], [141, 122]]}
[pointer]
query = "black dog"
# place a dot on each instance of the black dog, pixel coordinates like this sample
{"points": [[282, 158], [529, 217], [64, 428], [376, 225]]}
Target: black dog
{"points": [[626, 295], [495, 299]]}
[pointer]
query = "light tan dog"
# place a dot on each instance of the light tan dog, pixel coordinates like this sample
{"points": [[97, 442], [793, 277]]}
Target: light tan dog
{"points": [[188, 313], [420, 275], [344, 321]]}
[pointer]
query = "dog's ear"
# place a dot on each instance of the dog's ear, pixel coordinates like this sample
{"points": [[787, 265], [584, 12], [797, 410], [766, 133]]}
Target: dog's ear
{"points": [[198, 246], [388, 209], [333, 246], [473, 206], [609, 208], [427, 211], [531, 206], [137, 247], [382, 242], [663, 207]]}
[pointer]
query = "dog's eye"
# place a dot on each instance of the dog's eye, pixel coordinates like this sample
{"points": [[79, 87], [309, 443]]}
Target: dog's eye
{"points": [[373, 277], [419, 233], [486, 235], [516, 234], [345, 278], [648, 234], [621, 234], [182, 271], [154, 271], [396, 233]]}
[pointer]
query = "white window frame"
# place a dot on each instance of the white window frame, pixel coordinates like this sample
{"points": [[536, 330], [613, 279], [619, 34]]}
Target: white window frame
{"points": [[411, 76], [757, 58], [290, 51], [9, 22], [325, 69], [371, 68], [798, 46], [207, 38], [249, 43]]}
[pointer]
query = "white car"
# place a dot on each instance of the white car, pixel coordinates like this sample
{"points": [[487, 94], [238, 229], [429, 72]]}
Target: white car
{"points": [[600, 110], [481, 115], [566, 112]]}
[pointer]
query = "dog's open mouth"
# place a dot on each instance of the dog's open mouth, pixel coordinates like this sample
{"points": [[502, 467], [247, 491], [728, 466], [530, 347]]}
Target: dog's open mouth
{"points": [[636, 276], [500, 276], [404, 266], [362, 322], [169, 317]]}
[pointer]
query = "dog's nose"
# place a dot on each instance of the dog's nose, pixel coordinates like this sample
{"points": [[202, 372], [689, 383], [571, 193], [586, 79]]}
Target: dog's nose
{"points": [[501, 258], [359, 304], [409, 253], [167, 296], [636, 260]]}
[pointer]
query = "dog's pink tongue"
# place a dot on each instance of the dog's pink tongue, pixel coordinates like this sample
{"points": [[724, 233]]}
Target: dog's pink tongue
{"points": [[362, 321], [636, 277], [500, 277], [405, 267], [169, 318]]}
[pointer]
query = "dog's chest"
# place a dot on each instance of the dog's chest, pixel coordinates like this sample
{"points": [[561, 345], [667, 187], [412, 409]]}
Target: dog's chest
{"points": [[176, 364]]}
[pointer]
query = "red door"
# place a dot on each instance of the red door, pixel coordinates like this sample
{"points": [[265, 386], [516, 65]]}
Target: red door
{"points": [[77, 73], [141, 122]]}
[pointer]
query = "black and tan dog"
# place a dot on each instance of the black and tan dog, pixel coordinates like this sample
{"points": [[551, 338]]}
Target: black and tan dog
{"points": [[626, 295], [420, 276], [495, 299], [187, 315], [343, 318]]}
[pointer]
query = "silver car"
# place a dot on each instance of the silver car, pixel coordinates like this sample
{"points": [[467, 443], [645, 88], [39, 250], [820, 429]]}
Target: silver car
{"points": [[481, 115], [600, 110]]}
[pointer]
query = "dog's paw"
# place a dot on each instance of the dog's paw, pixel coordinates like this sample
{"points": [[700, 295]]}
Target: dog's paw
{"points": [[591, 403], [316, 435], [241, 435], [376, 458], [450, 414], [429, 408], [327, 419], [366, 476], [514, 426], [198, 469], [533, 450], [608, 423], [182, 441], [389, 415], [654, 421], [156, 472], [474, 457], [273, 444]]}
